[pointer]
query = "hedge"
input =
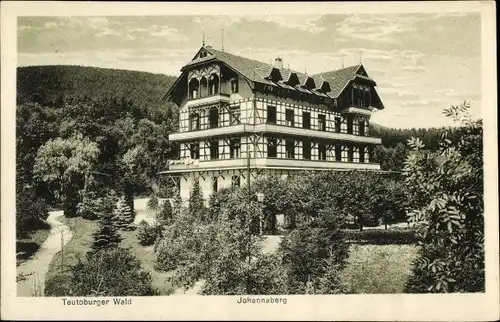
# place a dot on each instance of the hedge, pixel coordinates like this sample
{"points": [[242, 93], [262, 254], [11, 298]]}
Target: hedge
{"points": [[381, 236]]}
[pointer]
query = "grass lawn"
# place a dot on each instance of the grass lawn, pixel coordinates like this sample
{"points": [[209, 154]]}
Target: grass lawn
{"points": [[26, 247], [77, 247], [378, 268]]}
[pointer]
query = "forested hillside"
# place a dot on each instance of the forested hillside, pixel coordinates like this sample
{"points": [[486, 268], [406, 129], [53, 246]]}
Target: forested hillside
{"points": [[393, 151], [75, 122], [48, 85]]}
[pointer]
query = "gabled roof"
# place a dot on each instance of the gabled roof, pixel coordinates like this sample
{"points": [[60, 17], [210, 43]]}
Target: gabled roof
{"points": [[257, 71]]}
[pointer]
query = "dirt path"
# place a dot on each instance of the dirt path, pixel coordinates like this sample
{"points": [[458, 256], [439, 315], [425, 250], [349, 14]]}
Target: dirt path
{"points": [[35, 268]]}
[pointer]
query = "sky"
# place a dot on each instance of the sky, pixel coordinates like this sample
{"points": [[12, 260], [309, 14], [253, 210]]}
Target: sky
{"points": [[422, 63]]}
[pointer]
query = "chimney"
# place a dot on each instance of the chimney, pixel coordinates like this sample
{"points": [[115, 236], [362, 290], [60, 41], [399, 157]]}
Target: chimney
{"points": [[278, 62]]}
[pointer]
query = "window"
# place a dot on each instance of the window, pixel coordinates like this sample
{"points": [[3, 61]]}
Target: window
{"points": [[362, 127], [321, 122], [338, 124], [272, 151], [322, 151], [350, 154], [234, 115], [235, 181], [306, 120], [306, 149], [290, 149], [355, 154], [213, 84], [215, 185], [234, 86], [194, 122], [338, 152], [214, 150], [193, 88], [289, 117], [194, 149], [362, 154], [271, 114], [213, 117], [235, 148], [349, 124]]}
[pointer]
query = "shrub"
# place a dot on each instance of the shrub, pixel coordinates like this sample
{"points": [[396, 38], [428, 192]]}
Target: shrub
{"points": [[382, 236], [58, 285], [153, 203], [113, 272], [92, 207], [147, 234], [31, 213], [168, 253], [166, 214]]}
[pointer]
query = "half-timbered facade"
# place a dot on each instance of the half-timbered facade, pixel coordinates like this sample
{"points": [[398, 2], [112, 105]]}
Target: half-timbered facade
{"points": [[240, 117]]}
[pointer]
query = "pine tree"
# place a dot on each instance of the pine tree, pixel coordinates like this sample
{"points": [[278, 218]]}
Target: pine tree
{"points": [[124, 216], [196, 206], [176, 200], [330, 282], [107, 236]]}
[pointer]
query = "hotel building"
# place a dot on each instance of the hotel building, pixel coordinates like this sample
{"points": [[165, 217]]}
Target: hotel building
{"points": [[241, 118]]}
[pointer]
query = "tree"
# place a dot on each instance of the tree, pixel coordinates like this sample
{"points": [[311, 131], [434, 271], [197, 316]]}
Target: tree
{"points": [[107, 235], [196, 206], [313, 254], [62, 164], [446, 197], [111, 272], [31, 213], [224, 252], [124, 216]]}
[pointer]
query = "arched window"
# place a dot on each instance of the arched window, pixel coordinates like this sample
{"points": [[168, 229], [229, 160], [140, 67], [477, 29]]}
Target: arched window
{"points": [[213, 84], [193, 88], [203, 87]]}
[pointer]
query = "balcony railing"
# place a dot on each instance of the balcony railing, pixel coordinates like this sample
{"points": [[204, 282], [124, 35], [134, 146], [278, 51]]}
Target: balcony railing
{"points": [[187, 165], [358, 110], [205, 100], [274, 129]]}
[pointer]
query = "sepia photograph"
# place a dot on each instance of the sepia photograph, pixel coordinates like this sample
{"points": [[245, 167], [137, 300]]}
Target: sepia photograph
{"points": [[257, 156]]}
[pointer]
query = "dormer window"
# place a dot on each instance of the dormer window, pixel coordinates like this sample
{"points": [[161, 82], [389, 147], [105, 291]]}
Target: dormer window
{"points": [[325, 87], [309, 83], [293, 80], [275, 75]]}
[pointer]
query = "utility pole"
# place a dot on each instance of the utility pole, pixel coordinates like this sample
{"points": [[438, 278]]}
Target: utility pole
{"points": [[62, 250]]}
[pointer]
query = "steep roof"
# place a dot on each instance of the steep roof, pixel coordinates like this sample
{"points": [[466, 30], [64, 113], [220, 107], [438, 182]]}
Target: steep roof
{"points": [[257, 71]]}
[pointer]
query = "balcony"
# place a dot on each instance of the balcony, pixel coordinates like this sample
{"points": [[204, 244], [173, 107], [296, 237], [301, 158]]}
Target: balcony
{"points": [[272, 129], [367, 111], [213, 132], [189, 165], [207, 100], [314, 134]]}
